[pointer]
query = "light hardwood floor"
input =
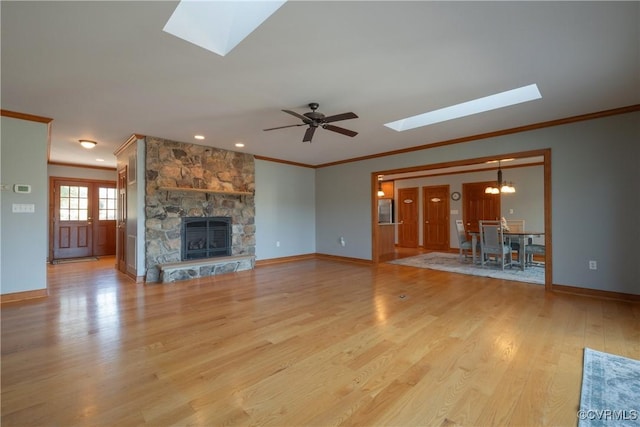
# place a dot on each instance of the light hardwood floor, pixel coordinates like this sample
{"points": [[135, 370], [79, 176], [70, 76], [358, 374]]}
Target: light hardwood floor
{"points": [[314, 342]]}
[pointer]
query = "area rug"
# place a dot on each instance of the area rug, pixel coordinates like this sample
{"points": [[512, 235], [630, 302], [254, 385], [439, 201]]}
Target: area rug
{"points": [[610, 390], [70, 260], [451, 262]]}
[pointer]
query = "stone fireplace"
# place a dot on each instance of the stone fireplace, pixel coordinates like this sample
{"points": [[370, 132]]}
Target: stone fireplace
{"points": [[188, 183]]}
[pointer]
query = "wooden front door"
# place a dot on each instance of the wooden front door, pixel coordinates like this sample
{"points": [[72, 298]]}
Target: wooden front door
{"points": [[83, 218], [435, 204], [121, 241], [477, 205], [408, 217]]}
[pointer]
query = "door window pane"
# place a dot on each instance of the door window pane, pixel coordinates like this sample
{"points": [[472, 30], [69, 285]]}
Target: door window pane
{"points": [[74, 203]]}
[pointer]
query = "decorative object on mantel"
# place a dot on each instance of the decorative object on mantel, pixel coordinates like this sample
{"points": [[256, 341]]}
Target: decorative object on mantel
{"points": [[502, 187]]}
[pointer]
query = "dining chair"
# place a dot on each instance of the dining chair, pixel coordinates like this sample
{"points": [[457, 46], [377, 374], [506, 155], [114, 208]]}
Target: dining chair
{"points": [[517, 226], [464, 244], [492, 243], [533, 249]]}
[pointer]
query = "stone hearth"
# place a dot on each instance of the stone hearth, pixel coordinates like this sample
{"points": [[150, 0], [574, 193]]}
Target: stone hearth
{"points": [[202, 268], [188, 180]]}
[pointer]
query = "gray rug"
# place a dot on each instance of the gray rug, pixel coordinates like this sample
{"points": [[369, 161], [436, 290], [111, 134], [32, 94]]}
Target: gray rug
{"points": [[450, 262], [610, 390], [70, 260]]}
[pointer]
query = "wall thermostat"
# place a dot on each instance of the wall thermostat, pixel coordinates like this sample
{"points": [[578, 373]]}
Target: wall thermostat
{"points": [[22, 188]]}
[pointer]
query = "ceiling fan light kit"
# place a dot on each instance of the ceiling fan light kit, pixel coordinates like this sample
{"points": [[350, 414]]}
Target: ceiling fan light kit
{"points": [[314, 119]]}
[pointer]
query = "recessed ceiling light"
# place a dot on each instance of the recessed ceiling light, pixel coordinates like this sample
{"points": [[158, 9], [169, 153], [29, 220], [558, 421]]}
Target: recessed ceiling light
{"points": [[199, 137], [480, 105], [88, 144], [239, 144], [99, 160], [218, 26]]}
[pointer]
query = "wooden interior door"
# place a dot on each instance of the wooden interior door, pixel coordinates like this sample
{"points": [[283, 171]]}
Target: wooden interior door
{"points": [[408, 217], [478, 205], [83, 218], [435, 204], [121, 241]]}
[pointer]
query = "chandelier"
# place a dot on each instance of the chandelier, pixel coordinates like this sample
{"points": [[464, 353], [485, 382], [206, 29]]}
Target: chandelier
{"points": [[502, 187]]}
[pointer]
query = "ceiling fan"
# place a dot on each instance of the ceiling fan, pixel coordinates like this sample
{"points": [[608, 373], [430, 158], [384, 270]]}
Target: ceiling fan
{"points": [[315, 119]]}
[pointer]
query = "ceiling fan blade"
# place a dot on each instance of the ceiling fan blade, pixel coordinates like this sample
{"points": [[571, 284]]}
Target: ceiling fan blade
{"points": [[300, 116], [288, 126], [308, 135], [338, 117], [340, 130]]}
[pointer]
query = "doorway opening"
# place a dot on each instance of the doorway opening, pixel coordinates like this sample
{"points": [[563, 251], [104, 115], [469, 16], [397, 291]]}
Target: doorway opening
{"points": [[542, 156], [82, 218]]}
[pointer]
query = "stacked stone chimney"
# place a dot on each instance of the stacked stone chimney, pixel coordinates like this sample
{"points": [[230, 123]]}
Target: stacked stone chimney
{"points": [[172, 170]]}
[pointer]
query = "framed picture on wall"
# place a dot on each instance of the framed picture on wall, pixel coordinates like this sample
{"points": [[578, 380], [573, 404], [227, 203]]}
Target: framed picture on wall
{"points": [[131, 178]]}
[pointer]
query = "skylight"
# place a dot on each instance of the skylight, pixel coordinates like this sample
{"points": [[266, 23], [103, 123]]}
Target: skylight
{"points": [[219, 26], [480, 105]]}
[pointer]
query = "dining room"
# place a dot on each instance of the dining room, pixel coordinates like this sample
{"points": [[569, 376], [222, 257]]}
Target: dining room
{"points": [[471, 197]]}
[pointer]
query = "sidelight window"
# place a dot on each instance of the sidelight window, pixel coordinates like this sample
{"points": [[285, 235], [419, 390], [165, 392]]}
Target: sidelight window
{"points": [[106, 203]]}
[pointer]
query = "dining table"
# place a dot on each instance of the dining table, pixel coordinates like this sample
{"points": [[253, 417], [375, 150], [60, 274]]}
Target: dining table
{"points": [[522, 237]]}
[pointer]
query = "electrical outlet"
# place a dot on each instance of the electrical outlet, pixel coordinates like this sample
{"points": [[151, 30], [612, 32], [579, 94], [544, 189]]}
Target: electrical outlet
{"points": [[593, 265], [277, 243], [342, 242]]}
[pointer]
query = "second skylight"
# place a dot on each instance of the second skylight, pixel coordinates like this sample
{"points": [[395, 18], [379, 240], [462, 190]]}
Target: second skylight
{"points": [[480, 105]]}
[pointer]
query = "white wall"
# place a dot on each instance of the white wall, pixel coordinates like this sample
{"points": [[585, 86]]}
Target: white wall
{"points": [[595, 173], [23, 241], [285, 210]]}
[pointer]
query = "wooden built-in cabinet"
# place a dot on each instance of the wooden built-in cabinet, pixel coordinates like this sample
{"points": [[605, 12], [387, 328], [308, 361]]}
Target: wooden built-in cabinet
{"points": [[386, 241]]}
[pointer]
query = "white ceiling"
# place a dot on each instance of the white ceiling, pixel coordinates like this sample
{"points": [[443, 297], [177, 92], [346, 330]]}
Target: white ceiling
{"points": [[106, 70]]}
